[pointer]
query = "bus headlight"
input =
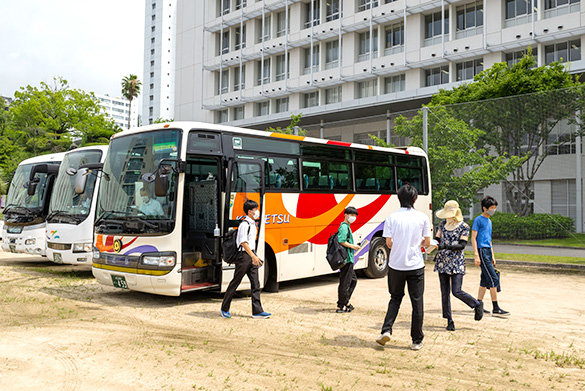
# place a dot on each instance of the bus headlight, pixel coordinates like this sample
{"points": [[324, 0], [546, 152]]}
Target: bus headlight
{"points": [[96, 254], [81, 247], [30, 242], [160, 260]]}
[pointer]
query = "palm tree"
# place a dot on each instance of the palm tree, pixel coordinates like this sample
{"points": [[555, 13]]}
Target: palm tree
{"points": [[130, 90]]}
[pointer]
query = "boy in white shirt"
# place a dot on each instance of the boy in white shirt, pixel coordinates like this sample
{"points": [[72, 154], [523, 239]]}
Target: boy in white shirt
{"points": [[406, 230]]}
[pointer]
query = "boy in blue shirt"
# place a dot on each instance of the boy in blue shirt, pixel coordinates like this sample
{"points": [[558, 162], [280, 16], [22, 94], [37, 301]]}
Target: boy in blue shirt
{"points": [[481, 239]]}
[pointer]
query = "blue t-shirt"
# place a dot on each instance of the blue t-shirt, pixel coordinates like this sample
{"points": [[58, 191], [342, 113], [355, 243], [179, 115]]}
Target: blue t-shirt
{"points": [[483, 226]]}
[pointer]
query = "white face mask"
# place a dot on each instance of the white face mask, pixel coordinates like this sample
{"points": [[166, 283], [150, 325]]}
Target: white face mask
{"points": [[145, 199], [491, 212], [351, 219], [256, 215]]}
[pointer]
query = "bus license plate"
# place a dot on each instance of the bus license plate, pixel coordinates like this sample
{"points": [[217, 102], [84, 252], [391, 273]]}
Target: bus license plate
{"points": [[12, 248], [57, 258], [119, 282]]}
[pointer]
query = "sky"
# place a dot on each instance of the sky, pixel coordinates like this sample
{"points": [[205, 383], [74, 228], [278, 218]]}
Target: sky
{"points": [[92, 44]]}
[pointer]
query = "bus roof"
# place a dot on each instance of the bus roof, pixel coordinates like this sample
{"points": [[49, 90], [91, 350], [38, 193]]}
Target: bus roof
{"points": [[188, 125], [51, 157], [103, 148]]}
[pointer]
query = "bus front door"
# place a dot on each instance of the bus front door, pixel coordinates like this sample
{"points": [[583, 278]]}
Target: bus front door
{"points": [[245, 181]]}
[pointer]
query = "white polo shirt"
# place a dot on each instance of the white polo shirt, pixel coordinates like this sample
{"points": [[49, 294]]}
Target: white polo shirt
{"points": [[247, 233], [407, 228]]}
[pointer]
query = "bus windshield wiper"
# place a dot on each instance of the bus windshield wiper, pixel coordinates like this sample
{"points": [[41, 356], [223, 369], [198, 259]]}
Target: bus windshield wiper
{"points": [[110, 213], [57, 212], [10, 207]]}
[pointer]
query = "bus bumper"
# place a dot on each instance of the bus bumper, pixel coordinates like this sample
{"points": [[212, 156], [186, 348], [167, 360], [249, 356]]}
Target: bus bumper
{"points": [[68, 257], [24, 244], [137, 282]]}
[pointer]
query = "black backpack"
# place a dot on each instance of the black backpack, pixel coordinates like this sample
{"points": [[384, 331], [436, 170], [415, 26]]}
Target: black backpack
{"points": [[229, 245], [336, 253]]}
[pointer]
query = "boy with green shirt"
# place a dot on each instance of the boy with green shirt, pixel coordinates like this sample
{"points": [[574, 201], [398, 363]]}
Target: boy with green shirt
{"points": [[347, 277]]}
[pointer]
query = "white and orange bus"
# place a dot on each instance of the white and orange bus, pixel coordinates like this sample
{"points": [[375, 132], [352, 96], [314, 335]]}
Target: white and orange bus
{"points": [[169, 191]]}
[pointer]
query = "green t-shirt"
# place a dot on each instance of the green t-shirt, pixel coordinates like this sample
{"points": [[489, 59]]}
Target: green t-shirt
{"points": [[344, 235]]}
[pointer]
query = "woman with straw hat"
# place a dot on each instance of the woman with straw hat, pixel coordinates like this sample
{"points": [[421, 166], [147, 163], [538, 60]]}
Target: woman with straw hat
{"points": [[452, 235]]}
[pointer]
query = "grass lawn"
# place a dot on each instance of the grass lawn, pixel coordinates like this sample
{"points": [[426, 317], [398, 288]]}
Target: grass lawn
{"points": [[575, 240], [534, 258]]}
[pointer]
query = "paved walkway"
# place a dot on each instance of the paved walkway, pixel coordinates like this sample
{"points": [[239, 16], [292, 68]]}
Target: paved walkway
{"points": [[536, 250]]}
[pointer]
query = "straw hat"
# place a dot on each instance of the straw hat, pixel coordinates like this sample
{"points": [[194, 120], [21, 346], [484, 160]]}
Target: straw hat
{"points": [[450, 210]]}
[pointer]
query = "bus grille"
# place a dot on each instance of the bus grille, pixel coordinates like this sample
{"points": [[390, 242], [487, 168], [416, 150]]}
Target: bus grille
{"points": [[59, 246]]}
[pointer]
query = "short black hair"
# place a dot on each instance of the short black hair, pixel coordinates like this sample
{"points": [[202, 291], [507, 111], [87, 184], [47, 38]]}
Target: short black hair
{"points": [[407, 195], [350, 210], [249, 205], [487, 202]]}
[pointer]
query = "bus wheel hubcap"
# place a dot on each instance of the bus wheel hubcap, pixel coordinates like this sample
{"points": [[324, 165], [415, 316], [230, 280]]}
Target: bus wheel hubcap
{"points": [[380, 260]]}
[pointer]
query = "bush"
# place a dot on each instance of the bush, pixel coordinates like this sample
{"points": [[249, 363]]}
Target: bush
{"points": [[509, 226]]}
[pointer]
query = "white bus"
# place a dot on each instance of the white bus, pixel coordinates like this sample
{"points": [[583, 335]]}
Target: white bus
{"points": [[170, 191], [69, 230], [27, 204]]}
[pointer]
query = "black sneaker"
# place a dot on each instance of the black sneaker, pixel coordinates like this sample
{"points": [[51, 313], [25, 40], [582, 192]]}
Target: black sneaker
{"points": [[349, 308], [340, 310], [479, 311], [451, 326], [500, 313]]}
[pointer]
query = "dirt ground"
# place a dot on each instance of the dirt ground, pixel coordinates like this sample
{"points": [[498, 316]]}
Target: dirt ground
{"points": [[60, 330]]}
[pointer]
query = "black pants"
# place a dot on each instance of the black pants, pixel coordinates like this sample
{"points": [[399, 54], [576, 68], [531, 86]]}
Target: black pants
{"points": [[453, 282], [415, 279], [244, 266], [347, 281]]}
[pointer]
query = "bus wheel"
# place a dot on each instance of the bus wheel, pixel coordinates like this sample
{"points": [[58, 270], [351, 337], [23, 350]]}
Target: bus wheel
{"points": [[378, 259], [270, 280]]}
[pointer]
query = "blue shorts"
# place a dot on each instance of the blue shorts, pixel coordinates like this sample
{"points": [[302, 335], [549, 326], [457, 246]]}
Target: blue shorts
{"points": [[489, 277]]}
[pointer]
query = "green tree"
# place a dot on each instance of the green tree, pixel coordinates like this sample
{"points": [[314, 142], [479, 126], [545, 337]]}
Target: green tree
{"points": [[295, 120], [458, 170], [130, 90], [518, 108], [162, 120]]}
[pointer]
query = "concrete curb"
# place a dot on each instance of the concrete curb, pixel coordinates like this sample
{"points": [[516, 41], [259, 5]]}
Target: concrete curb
{"points": [[539, 245], [536, 265]]}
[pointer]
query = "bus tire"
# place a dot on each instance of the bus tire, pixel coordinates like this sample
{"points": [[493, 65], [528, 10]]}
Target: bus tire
{"points": [[270, 280], [377, 259]]}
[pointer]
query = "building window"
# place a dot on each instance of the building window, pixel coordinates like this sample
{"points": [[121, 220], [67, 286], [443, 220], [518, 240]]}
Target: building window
{"points": [[314, 14], [517, 12], [564, 197], [363, 5], [262, 108], [152, 52], [239, 83], [152, 41], [151, 98], [153, 18], [563, 52], [223, 82], [225, 42], [394, 39], [151, 63], [308, 62], [437, 76], [469, 19], [151, 86], [367, 88], [221, 116], [150, 111], [332, 10], [239, 38], [333, 95], [513, 58], [240, 4], [152, 29], [223, 7], [433, 29], [282, 27], [311, 99], [331, 54], [238, 113], [364, 45], [554, 8], [561, 140], [263, 72], [468, 69], [281, 65], [281, 105], [151, 75], [395, 84], [263, 34]]}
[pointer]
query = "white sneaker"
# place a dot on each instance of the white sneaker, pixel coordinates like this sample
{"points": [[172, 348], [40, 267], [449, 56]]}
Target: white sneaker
{"points": [[416, 346], [382, 339]]}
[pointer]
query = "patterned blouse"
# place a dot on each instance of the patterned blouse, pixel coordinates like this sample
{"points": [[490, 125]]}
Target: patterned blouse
{"points": [[451, 261]]}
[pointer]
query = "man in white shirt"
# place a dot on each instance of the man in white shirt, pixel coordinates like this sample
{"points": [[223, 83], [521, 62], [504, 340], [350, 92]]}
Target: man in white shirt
{"points": [[246, 264], [149, 206], [406, 230]]}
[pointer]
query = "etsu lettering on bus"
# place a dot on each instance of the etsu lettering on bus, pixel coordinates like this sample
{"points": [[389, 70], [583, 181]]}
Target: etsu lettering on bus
{"points": [[274, 219]]}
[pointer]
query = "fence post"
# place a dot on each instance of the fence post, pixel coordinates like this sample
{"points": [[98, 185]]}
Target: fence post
{"points": [[426, 129], [578, 178]]}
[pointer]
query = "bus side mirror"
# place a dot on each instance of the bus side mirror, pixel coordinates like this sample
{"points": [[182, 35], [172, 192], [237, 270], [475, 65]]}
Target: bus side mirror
{"points": [[161, 185], [81, 180], [31, 188]]}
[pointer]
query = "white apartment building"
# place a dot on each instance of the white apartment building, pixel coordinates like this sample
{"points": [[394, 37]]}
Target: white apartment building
{"points": [[119, 110], [345, 64], [158, 87]]}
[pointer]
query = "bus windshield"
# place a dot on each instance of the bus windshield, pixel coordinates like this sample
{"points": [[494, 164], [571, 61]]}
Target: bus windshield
{"points": [[66, 206], [127, 202], [18, 197]]}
